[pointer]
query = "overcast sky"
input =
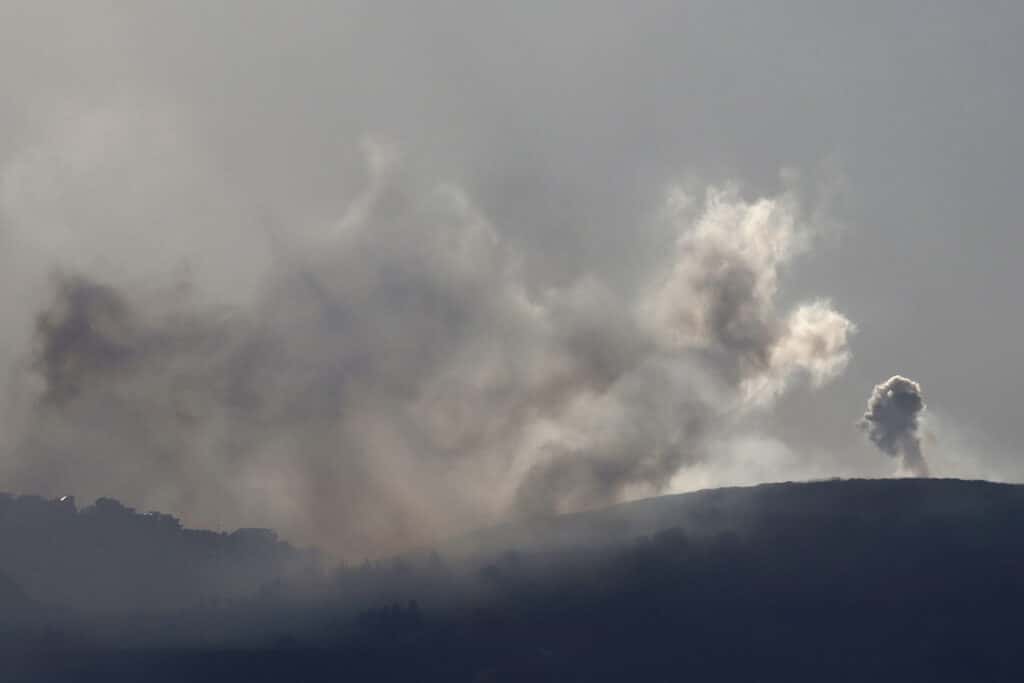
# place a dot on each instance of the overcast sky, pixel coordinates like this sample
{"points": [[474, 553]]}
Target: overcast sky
{"points": [[141, 141]]}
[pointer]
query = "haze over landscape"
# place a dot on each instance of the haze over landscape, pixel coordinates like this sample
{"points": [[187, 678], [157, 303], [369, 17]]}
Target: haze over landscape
{"points": [[390, 278], [329, 252]]}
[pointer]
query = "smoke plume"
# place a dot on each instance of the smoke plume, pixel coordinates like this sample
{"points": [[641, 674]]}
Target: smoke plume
{"points": [[397, 376], [891, 422]]}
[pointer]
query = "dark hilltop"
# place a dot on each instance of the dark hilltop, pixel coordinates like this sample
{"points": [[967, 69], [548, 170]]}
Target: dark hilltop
{"points": [[910, 579]]}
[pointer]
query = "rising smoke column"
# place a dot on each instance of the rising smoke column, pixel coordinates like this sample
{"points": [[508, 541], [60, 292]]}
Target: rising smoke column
{"points": [[892, 421]]}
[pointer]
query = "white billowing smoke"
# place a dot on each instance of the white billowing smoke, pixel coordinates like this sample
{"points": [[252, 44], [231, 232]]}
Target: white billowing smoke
{"points": [[392, 378], [720, 296]]}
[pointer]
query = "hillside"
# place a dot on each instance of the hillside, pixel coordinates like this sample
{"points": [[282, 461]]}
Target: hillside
{"points": [[13, 601], [753, 510], [107, 558], [836, 580]]}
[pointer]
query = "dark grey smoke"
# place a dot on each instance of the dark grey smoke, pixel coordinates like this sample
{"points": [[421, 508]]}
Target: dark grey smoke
{"points": [[86, 333], [892, 421]]}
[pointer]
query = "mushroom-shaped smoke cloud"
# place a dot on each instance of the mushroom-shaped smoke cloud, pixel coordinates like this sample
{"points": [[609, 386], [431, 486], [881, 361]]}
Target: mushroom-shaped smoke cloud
{"points": [[891, 421]]}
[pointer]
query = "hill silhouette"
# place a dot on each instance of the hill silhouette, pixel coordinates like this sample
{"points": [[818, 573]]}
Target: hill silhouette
{"points": [[755, 509], [107, 558], [836, 580]]}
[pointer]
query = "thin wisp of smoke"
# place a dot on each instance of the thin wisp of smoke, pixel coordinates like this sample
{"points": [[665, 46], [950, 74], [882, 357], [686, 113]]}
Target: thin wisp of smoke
{"points": [[397, 378]]}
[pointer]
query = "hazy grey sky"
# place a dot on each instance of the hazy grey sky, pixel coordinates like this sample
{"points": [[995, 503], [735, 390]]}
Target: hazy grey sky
{"points": [[155, 142]]}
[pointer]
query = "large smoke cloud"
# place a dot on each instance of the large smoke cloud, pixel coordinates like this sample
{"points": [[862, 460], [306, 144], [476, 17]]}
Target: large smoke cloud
{"points": [[892, 421], [398, 375]]}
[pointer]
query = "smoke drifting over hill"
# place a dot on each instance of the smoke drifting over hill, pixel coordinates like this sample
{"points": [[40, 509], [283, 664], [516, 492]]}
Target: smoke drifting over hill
{"points": [[396, 376]]}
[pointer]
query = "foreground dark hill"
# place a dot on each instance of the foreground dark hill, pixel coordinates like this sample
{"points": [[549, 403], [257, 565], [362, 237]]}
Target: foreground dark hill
{"points": [[109, 559], [911, 580], [766, 508], [14, 603]]}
